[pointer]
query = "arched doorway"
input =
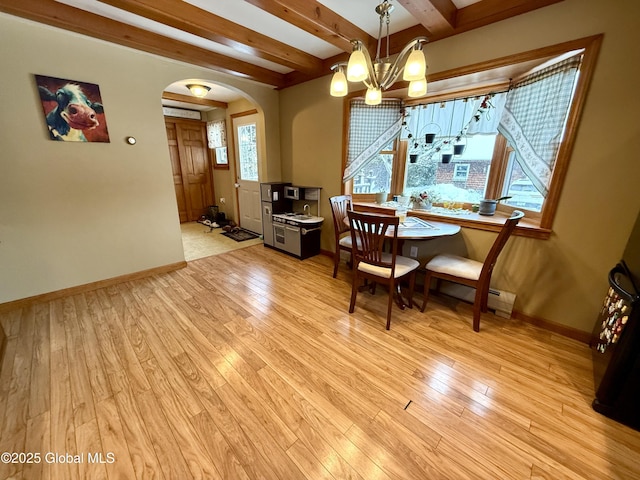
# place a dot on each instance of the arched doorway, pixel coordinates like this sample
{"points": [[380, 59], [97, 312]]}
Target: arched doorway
{"points": [[193, 162], [205, 174]]}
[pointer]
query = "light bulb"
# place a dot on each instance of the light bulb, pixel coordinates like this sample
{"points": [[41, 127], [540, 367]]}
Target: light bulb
{"points": [[357, 67], [417, 88], [416, 66], [373, 96], [199, 90], [339, 86]]}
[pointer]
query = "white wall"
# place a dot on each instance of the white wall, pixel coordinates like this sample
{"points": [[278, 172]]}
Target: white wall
{"points": [[76, 213]]}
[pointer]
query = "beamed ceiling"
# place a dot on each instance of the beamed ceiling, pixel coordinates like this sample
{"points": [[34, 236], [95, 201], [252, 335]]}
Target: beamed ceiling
{"points": [[279, 43]]}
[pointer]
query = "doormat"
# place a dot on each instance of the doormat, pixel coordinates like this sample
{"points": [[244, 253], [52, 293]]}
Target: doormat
{"points": [[240, 234]]}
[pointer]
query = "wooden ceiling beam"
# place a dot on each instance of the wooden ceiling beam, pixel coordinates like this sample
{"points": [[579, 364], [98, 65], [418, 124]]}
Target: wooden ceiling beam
{"points": [[308, 15], [74, 19], [204, 24], [486, 12], [437, 16], [318, 20], [178, 97]]}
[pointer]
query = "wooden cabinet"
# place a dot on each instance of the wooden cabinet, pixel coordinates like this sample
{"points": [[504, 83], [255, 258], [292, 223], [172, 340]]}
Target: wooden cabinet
{"points": [[191, 165]]}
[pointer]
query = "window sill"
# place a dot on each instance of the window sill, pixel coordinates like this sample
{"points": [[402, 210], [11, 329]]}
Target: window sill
{"points": [[527, 227]]}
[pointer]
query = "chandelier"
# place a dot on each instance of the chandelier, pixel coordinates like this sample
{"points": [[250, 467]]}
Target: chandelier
{"points": [[381, 73]]}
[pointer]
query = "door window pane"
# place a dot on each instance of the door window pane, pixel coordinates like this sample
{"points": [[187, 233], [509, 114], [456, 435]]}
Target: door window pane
{"points": [[248, 152]]}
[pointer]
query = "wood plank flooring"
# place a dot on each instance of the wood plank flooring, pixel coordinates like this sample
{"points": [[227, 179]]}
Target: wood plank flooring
{"points": [[247, 365]]}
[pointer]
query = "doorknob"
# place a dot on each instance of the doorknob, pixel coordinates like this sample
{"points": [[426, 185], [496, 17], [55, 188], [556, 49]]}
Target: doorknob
{"points": [[237, 185]]}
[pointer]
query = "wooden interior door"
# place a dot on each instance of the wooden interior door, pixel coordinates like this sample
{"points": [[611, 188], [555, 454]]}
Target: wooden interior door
{"points": [[191, 165]]}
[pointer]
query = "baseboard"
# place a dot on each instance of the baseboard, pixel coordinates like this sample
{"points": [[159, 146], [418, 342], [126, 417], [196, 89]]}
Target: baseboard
{"points": [[569, 332], [565, 331], [45, 297]]}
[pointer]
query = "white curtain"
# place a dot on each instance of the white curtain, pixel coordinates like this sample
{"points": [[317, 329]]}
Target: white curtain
{"points": [[535, 115], [371, 128], [216, 134], [462, 116]]}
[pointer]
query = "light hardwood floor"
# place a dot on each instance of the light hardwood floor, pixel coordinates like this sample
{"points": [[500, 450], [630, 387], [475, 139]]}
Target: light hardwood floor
{"points": [[247, 365], [199, 241]]}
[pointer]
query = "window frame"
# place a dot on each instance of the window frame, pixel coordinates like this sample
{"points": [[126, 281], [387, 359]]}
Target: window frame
{"points": [[537, 224]]}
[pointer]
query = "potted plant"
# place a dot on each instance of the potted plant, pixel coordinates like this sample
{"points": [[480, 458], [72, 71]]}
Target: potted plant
{"points": [[422, 200]]}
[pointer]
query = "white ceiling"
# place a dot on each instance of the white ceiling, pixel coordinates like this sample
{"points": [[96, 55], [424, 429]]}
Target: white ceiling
{"points": [[273, 42], [358, 12]]}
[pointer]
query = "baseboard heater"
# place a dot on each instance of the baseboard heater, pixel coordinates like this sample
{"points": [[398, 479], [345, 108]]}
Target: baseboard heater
{"points": [[500, 301]]}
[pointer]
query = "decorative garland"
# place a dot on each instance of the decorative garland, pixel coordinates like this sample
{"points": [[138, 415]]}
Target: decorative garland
{"points": [[430, 149]]}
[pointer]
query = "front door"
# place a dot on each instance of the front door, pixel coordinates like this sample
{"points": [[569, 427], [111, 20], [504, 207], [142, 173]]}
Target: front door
{"points": [[191, 168], [248, 181]]}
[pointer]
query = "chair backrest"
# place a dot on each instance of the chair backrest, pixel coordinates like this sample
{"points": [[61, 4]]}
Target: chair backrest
{"points": [[339, 206], [370, 231], [500, 242]]}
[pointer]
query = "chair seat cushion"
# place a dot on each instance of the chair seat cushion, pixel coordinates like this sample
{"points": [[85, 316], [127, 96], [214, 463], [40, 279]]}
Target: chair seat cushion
{"points": [[345, 242], [456, 266], [404, 265]]}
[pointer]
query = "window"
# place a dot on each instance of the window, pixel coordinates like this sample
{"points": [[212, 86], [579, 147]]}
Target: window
{"points": [[376, 175], [488, 164], [451, 145], [518, 186], [248, 152], [460, 172]]}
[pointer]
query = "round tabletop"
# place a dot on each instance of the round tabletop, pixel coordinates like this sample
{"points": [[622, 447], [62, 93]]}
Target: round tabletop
{"points": [[414, 228]]}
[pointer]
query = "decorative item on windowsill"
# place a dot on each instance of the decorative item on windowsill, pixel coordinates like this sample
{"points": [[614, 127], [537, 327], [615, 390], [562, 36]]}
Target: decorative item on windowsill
{"points": [[422, 200], [381, 73], [381, 197], [488, 206]]}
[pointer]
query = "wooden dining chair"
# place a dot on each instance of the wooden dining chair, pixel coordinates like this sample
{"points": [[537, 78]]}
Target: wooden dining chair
{"points": [[372, 263], [339, 206], [470, 272]]}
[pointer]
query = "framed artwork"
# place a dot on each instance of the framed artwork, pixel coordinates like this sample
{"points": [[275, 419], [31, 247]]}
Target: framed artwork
{"points": [[73, 110], [220, 158]]}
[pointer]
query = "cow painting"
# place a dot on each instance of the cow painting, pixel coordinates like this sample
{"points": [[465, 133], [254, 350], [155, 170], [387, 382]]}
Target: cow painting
{"points": [[73, 110]]}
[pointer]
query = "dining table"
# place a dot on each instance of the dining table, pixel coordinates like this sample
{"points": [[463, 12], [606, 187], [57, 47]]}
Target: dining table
{"points": [[415, 228]]}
